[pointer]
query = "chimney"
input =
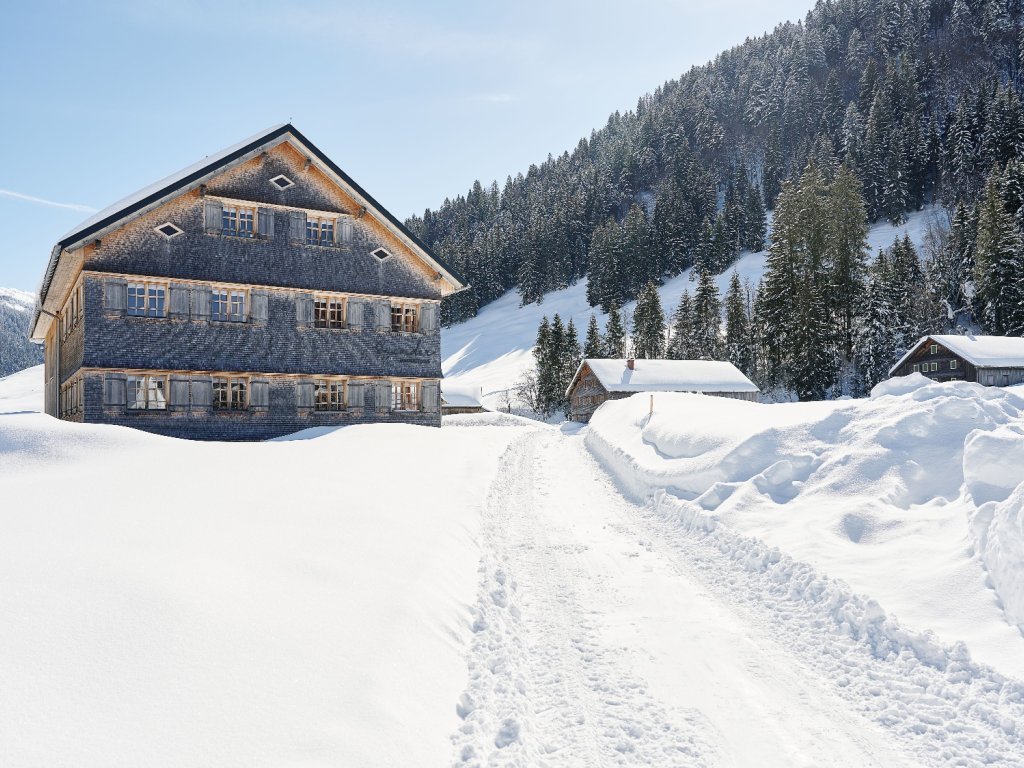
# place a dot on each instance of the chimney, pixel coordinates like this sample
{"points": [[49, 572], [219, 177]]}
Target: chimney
{"points": [[631, 364]]}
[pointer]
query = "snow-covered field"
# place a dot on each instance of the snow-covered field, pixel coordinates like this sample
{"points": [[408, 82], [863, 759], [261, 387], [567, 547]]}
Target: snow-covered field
{"points": [[717, 584], [492, 350]]}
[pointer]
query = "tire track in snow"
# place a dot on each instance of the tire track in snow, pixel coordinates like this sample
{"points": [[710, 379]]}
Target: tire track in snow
{"points": [[543, 690]]}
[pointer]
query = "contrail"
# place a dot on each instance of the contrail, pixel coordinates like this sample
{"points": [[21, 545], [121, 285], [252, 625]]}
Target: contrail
{"points": [[51, 203]]}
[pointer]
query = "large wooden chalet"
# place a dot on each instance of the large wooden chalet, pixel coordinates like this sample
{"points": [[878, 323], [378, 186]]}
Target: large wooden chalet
{"points": [[996, 361], [255, 293], [598, 380]]}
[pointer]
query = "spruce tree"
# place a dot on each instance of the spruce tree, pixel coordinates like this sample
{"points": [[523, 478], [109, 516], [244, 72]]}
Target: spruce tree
{"points": [[999, 265], [649, 324], [737, 326], [542, 363], [680, 344], [614, 334], [594, 345], [707, 320]]}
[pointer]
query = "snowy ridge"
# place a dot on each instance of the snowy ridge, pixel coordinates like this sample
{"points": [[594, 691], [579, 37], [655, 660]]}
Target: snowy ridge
{"points": [[946, 708], [15, 299]]}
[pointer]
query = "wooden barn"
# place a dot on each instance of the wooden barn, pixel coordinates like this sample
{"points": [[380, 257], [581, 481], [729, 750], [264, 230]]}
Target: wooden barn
{"points": [[461, 400], [597, 380], [995, 361]]}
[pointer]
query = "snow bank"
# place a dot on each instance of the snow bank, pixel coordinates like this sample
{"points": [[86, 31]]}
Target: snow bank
{"points": [[22, 391], [876, 492], [287, 603]]}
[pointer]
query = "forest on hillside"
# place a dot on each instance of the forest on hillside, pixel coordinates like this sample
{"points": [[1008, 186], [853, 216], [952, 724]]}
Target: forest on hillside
{"points": [[918, 99]]}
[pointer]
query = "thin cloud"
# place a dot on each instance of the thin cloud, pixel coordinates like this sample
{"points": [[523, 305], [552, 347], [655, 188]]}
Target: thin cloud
{"points": [[496, 98], [52, 203]]}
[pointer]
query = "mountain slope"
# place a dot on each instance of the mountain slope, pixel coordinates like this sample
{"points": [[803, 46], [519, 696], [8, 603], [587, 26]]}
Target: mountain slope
{"points": [[16, 351], [918, 97], [492, 350]]}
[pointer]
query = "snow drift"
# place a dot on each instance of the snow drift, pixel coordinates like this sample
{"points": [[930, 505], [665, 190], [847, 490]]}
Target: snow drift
{"points": [[912, 496]]}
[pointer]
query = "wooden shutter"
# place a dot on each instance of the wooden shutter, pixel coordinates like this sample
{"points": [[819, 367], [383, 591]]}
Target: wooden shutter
{"points": [[115, 294], [304, 309], [428, 396], [354, 314], [384, 396], [260, 303], [201, 297], [343, 232], [428, 317], [354, 395], [178, 396], [179, 302], [382, 312], [202, 392], [213, 213], [297, 227], [259, 394], [114, 390], [265, 223], [304, 394]]}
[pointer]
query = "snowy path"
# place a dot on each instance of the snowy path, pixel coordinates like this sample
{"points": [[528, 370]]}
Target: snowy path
{"points": [[608, 634]]}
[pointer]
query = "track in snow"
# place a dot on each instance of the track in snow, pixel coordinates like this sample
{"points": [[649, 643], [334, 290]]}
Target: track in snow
{"points": [[606, 634]]}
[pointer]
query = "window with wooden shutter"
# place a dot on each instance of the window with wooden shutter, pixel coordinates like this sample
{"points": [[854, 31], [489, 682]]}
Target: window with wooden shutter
{"points": [[178, 398], [147, 299], [328, 311], [265, 224], [297, 227], [114, 390], [147, 393], [259, 302], [179, 301], [354, 312], [354, 395], [329, 394], [405, 396], [304, 309], [228, 304], [115, 294], [230, 393], [304, 394], [212, 216], [404, 318], [259, 394]]}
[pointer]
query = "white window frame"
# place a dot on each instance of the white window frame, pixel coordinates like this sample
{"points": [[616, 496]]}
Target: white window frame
{"points": [[149, 387], [229, 385], [151, 304], [335, 395], [405, 395], [335, 309], [178, 230], [953, 365], [406, 310], [275, 185], [231, 294], [321, 225], [237, 215]]}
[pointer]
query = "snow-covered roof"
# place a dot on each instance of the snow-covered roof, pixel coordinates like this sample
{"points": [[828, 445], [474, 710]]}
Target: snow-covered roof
{"points": [[667, 376], [980, 351], [461, 397]]}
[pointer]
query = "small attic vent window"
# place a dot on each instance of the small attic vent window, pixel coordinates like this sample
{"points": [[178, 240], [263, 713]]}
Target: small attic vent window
{"points": [[282, 182], [381, 254], [169, 230]]}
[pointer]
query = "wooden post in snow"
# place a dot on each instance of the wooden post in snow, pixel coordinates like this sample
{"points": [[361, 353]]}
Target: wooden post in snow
{"points": [[651, 411]]}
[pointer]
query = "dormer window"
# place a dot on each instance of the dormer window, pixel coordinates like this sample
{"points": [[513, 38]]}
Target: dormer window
{"points": [[169, 230], [381, 254], [282, 182], [319, 231], [238, 221]]}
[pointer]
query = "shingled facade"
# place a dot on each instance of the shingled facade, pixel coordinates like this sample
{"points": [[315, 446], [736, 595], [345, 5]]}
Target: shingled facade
{"points": [[257, 293]]}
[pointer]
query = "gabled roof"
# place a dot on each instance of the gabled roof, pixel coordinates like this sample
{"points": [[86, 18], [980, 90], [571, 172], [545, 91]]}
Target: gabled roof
{"points": [[666, 376], [980, 351], [195, 174]]}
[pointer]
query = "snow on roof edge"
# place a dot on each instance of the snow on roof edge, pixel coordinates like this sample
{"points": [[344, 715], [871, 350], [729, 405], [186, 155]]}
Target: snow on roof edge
{"points": [[987, 352], [666, 376]]}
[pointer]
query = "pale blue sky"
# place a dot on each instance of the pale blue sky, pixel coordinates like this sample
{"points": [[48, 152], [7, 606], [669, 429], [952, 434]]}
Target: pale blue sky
{"points": [[413, 100]]}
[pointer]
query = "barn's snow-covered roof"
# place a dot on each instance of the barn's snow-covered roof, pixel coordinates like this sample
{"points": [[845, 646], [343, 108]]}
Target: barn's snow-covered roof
{"points": [[461, 397], [980, 351], [667, 376]]}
